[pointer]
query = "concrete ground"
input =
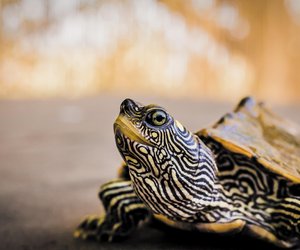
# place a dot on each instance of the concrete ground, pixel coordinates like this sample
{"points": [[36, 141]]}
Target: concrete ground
{"points": [[55, 154]]}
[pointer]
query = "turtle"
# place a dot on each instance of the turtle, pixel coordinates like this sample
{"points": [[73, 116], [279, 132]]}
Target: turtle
{"points": [[241, 175]]}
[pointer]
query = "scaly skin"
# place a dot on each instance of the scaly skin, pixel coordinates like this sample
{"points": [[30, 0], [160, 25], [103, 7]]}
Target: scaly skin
{"points": [[190, 182]]}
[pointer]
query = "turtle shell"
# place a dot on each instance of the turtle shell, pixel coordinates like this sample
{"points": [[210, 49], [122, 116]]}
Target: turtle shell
{"points": [[253, 130]]}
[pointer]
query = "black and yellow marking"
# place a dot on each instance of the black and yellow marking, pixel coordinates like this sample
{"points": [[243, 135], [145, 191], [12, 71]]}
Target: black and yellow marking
{"points": [[124, 213], [224, 179]]}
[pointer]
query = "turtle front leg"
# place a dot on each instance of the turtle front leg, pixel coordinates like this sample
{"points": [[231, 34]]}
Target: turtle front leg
{"points": [[125, 212]]}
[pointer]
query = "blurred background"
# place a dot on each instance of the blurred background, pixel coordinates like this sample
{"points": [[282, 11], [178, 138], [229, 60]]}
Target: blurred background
{"points": [[213, 49]]}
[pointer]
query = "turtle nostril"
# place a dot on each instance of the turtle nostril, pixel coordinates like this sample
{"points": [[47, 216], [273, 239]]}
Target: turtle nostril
{"points": [[127, 105], [128, 102]]}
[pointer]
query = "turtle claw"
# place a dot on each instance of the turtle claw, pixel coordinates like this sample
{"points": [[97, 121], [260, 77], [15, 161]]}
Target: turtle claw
{"points": [[113, 232], [101, 229], [91, 228], [88, 228]]}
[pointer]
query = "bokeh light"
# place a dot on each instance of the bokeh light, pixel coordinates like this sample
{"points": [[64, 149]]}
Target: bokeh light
{"points": [[213, 49]]}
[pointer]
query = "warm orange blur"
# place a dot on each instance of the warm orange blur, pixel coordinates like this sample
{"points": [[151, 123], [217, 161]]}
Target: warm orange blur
{"points": [[218, 49]]}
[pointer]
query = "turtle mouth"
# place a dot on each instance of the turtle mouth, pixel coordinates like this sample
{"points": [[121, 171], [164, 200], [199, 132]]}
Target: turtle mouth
{"points": [[123, 126]]}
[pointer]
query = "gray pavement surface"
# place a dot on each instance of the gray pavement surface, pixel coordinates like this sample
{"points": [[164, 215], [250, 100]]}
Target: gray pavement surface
{"points": [[54, 155]]}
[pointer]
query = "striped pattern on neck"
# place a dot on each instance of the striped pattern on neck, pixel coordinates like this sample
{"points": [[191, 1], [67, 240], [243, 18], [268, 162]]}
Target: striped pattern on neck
{"points": [[176, 179]]}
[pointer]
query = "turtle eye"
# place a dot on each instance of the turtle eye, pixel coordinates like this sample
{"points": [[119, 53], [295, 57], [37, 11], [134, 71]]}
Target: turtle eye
{"points": [[156, 117]]}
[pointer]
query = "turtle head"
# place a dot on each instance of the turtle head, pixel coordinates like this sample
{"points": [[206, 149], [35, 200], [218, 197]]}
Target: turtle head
{"points": [[148, 137], [168, 164]]}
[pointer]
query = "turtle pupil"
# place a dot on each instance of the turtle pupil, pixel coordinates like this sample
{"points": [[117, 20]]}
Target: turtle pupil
{"points": [[159, 118]]}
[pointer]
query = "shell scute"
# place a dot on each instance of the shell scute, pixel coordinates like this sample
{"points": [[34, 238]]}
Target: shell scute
{"points": [[255, 131]]}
